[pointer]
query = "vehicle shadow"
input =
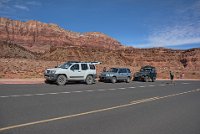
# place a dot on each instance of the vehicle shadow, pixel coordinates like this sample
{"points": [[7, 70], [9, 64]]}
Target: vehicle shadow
{"points": [[68, 83]]}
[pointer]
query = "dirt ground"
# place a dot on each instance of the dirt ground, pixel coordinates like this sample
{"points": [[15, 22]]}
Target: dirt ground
{"points": [[12, 68]]}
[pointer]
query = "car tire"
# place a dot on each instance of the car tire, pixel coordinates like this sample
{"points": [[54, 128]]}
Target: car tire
{"points": [[153, 80], [89, 80], [114, 80], [128, 80], [61, 80]]}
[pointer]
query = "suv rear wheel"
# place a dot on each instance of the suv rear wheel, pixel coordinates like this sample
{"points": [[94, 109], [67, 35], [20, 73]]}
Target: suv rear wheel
{"points": [[61, 80]]}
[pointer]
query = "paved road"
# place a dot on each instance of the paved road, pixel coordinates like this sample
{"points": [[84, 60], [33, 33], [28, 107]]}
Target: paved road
{"points": [[102, 108]]}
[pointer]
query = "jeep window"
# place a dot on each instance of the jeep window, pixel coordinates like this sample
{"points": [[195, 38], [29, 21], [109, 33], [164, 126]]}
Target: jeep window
{"points": [[92, 67], [84, 67], [114, 70], [147, 70], [65, 65], [123, 70], [128, 70], [75, 67]]}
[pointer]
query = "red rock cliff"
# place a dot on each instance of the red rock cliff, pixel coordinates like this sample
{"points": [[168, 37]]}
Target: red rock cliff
{"points": [[39, 37]]}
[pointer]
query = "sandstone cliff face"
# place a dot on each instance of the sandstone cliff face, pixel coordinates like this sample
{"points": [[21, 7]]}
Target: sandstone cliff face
{"points": [[27, 48], [39, 37]]}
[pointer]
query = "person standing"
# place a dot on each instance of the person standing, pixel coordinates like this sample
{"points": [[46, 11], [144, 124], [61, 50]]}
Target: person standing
{"points": [[171, 77], [104, 69]]}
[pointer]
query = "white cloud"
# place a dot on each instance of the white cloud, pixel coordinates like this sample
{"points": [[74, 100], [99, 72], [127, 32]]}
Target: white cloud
{"points": [[184, 30], [3, 3], [22, 7], [11, 6], [176, 35], [34, 3]]}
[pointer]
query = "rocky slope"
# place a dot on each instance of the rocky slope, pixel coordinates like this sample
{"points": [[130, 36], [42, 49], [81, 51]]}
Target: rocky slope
{"points": [[27, 48], [39, 37]]}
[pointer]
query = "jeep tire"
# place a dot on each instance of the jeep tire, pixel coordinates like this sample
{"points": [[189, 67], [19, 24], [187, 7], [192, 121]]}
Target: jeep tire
{"points": [[145, 79], [61, 80], [89, 80], [153, 79]]}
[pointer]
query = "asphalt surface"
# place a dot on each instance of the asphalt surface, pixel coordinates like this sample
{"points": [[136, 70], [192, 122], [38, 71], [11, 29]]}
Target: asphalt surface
{"points": [[103, 108]]}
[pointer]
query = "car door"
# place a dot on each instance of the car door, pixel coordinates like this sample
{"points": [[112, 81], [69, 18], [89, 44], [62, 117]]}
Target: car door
{"points": [[124, 73], [121, 74], [84, 70], [75, 72]]}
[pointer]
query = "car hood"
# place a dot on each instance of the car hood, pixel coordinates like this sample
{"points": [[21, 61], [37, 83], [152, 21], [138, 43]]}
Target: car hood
{"points": [[139, 73], [104, 73], [52, 69]]}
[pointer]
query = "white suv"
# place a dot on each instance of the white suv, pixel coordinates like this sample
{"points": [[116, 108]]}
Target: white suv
{"points": [[72, 71]]}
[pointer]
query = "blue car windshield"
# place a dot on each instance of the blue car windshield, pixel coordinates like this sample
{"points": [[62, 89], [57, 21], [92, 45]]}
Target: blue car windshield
{"points": [[114, 70], [65, 65]]}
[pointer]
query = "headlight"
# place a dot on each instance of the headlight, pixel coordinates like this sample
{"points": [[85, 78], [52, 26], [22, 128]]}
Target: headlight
{"points": [[53, 71], [107, 75]]}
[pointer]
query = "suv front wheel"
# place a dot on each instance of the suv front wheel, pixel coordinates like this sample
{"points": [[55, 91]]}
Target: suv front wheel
{"points": [[89, 80], [61, 80]]}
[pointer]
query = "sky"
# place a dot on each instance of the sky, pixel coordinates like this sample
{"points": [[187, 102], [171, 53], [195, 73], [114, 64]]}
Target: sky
{"points": [[139, 23]]}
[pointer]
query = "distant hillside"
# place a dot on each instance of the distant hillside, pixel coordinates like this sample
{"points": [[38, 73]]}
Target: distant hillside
{"points": [[39, 37]]}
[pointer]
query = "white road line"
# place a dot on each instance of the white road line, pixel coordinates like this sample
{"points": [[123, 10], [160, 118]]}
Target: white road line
{"points": [[131, 87], [37, 94], [89, 90], [185, 83], [122, 88], [3, 96], [112, 89], [77, 91], [56, 93], [15, 95], [27, 95], [101, 90], [65, 92], [132, 103]]}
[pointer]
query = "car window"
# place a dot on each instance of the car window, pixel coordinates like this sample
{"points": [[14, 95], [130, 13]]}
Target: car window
{"points": [[75, 67], [114, 70], [92, 67], [120, 71], [84, 67], [65, 65], [128, 70], [123, 70]]}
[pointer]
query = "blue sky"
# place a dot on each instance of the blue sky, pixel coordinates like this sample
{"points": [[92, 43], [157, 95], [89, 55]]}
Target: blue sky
{"points": [[137, 23]]}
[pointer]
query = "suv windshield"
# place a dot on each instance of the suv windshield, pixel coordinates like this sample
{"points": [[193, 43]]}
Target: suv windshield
{"points": [[145, 70], [65, 65], [114, 70]]}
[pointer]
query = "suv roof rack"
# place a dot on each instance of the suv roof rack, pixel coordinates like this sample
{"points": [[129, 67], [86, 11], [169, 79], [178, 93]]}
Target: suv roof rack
{"points": [[73, 61], [92, 62]]}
